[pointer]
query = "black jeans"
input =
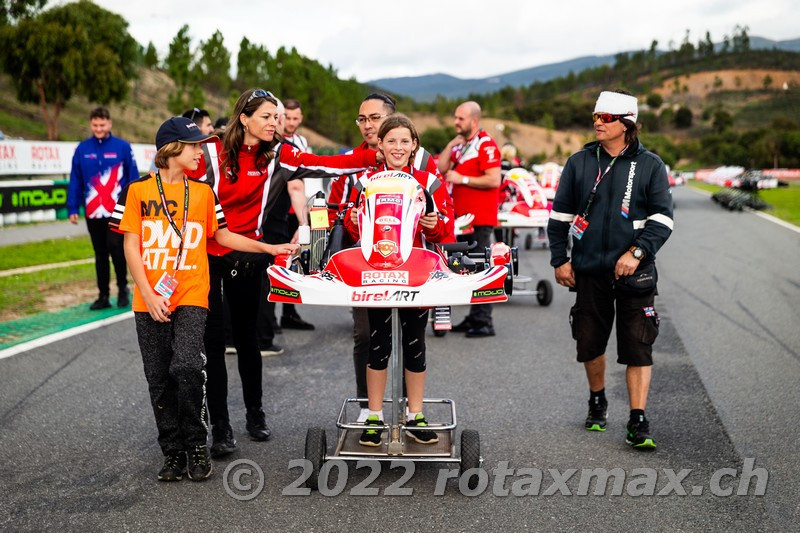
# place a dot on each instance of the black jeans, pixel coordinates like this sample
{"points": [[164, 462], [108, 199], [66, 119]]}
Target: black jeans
{"points": [[480, 314], [105, 243], [243, 293]]}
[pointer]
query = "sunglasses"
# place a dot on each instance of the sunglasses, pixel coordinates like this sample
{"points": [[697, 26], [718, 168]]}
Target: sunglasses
{"points": [[195, 112], [259, 93], [605, 118]]}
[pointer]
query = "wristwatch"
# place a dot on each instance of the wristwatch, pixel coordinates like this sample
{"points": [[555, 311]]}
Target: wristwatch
{"points": [[637, 252], [464, 180]]}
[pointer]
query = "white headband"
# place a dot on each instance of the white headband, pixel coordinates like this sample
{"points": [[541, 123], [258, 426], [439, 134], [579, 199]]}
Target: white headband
{"points": [[617, 104]]}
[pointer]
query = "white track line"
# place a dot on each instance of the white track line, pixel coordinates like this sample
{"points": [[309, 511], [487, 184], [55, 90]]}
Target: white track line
{"points": [[60, 335], [37, 268]]}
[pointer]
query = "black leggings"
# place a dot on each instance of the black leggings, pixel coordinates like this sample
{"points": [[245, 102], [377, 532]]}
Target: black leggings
{"points": [[412, 326], [243, 293]]}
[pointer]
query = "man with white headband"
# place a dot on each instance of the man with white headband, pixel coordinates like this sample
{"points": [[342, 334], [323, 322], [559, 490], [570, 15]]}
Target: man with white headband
{"points": [[614, 201]]}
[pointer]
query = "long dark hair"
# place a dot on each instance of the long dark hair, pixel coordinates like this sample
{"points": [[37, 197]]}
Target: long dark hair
{"points": [[631, 128], [234, 135]]}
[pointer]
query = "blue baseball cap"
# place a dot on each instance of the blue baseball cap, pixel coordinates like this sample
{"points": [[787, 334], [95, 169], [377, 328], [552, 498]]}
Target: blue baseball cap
{"points": [[180, 129]]}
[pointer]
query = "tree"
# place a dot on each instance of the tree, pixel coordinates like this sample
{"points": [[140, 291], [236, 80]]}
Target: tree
{"points": [[767, 81], [214, 64], [683, 118], [151, 56], [77, 48], [251, 65], [14, 10], [654, 100], [179, 64], [722, 121]]}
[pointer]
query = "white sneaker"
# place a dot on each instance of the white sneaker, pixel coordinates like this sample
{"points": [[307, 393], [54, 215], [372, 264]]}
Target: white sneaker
{"points": [[230, 350], [362, 416]]}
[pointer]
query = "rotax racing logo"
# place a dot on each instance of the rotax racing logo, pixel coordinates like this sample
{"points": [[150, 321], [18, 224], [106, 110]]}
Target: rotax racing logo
{"points": [[381, 277], [384, 296]]}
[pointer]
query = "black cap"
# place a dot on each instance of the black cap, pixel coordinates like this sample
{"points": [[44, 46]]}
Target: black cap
{"points": [[179, 129]]}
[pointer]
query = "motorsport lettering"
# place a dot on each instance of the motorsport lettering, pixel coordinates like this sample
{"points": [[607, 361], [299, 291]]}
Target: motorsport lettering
{"points": [[385, 296]]}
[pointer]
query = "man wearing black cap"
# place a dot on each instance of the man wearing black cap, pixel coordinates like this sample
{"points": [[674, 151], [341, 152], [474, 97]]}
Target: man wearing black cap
{"points": [[614, 200]]}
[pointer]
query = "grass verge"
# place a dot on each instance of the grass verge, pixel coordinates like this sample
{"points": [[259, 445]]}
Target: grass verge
{"points": [[45, 252], [47, 290]]}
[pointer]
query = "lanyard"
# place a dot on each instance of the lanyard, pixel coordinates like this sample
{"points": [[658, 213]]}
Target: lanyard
{"points": [[181, 232], [600, 177], [467, 148]]}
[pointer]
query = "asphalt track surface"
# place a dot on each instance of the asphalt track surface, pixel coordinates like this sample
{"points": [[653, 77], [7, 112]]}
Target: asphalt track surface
{"points": [[78, 448]]}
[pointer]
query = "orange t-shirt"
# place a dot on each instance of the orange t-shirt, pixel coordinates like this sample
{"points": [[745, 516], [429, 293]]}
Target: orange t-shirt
{"points": [[139, 210]]}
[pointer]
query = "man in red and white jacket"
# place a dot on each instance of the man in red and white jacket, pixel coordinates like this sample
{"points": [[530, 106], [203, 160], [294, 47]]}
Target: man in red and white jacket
{"points": [[471, 163]]}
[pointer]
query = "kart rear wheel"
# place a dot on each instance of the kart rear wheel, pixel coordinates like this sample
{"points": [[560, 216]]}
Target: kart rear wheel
{"points": [[544, 292], [470, 455], [316, 449]]}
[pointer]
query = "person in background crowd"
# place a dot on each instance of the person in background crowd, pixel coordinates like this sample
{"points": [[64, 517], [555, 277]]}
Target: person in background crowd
{"points": [[101, 167], [201, 118], [471, 163]]}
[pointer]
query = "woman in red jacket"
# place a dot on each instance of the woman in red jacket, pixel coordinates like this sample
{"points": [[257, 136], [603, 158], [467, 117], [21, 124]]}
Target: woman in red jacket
{"points": [[255, 166], [398, 141]]}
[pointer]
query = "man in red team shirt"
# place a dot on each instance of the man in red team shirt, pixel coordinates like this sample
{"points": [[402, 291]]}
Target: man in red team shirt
{"points": [[471, 162]]}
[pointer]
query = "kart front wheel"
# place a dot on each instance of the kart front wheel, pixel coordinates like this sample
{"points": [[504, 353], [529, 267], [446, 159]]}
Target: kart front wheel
{"points": [[544, 292]]}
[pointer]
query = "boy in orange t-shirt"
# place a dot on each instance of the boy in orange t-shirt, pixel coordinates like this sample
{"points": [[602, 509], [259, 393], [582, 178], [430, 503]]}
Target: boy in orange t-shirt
{"points": [[166, 219]]}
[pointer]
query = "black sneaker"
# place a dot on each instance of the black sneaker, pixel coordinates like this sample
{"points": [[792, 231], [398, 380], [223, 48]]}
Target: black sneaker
{"points": [[371, 437], [124, 298], [295, 322], [257, 425], [223, 441], [272, 349], [200, 467], [174, 467], [598, 415], [480, 331], [100, 303], [423, 436], [639, 434], [463, 326]]}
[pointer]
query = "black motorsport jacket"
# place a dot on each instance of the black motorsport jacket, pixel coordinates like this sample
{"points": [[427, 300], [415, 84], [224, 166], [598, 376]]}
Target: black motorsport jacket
{"points": [[637, 183]]}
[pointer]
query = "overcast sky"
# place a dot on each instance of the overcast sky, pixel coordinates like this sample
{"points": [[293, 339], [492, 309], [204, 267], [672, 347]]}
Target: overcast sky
{"points": [[468, 39]]}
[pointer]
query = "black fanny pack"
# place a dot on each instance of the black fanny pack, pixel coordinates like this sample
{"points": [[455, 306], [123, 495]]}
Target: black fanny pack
{"points": [[642, 281]]}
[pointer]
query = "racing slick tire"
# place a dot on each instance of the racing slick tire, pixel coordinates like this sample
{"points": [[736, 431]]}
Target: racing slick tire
{"points": [[316, 449], [470, 455]]}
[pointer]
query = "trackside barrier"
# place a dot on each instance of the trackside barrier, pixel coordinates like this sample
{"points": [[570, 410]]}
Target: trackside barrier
{"points": [[37, 200]]}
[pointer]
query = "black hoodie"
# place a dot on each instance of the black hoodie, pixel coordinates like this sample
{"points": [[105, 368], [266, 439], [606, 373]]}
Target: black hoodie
{"points": [[610, 234]]}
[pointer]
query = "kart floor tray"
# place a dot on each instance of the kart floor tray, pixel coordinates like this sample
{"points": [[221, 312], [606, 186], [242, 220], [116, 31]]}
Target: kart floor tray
{"points": [[348, 445]]}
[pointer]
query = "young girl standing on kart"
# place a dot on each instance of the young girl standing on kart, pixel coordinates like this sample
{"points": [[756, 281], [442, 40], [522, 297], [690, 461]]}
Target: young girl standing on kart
{"points": [[398, 141]]}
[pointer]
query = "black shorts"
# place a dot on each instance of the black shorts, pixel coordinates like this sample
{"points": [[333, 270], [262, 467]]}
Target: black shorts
{"points": [[592, 318]]}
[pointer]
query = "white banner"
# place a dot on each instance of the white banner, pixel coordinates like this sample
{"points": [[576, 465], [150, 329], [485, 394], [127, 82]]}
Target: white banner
{"points": [[38, 158]]}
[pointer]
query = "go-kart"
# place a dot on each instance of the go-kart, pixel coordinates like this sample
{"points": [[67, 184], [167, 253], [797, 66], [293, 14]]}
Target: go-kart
{"points": [[525, 206], [387, 270]]}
